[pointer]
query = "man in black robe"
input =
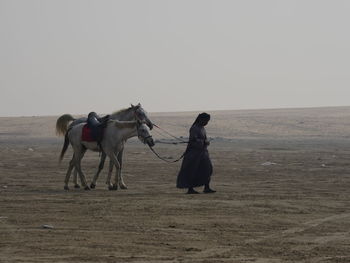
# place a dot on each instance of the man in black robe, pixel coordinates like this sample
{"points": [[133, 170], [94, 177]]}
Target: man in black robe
{"points": [[196, 168]]}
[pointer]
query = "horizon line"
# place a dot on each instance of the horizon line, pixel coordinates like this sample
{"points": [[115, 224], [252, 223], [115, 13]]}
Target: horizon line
{"points": [[189, 111]]}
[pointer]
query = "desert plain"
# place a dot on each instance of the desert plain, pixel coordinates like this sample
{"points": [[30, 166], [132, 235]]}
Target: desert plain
{"points": [[282, 180]]}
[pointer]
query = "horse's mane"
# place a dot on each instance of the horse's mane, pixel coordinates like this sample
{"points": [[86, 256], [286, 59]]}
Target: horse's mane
{"points": [[124, 124], [121, 111]]}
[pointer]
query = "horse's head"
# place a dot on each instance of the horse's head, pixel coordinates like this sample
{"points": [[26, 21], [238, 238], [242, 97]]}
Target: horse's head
{"points": [[144, 134], [141, 115]]}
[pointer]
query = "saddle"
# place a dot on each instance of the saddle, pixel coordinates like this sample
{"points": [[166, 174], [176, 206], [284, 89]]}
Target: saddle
{"points": [[86, 135], [95, 131]]}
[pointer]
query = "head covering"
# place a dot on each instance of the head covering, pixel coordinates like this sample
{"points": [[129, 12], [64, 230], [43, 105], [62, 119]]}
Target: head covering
{"points": [[202, 119]]}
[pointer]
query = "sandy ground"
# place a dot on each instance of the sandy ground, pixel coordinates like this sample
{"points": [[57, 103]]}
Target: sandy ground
{"points": [[295, 210]]}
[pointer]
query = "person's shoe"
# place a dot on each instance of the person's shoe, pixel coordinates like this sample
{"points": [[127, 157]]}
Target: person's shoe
{"points": [[192, 191], [208, 191]]}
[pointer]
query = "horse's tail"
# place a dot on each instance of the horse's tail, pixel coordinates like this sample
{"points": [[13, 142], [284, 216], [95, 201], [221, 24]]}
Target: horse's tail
{"points": [[65, 147], [62, 124]]}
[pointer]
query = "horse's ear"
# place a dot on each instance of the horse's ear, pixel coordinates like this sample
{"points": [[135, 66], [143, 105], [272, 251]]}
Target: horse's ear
{"points": [[132, 106], [138, 105]]}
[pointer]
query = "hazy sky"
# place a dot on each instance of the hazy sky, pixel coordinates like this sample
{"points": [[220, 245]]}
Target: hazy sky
{"points": [[70, 56]]}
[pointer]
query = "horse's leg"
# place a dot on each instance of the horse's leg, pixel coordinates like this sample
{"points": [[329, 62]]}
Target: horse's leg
{"points": [[109, 176], [75, 178], [122, 185], [116, 163], [78, 158], [100, 167], [69, 171]]}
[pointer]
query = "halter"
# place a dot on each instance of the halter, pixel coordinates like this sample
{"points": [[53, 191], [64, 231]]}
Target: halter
{"points": [[136, 115], [138, 118], [143, 139]]}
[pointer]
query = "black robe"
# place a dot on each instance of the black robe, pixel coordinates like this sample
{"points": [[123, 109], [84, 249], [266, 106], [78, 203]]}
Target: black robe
{"points": [[196, 168]]}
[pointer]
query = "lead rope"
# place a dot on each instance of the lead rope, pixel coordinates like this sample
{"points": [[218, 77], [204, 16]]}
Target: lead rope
{"points": [[165, 160], [167, 142], [179, 139]]}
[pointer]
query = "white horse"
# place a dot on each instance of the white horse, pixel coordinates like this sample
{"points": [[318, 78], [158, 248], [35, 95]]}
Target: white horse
{"points": [[115, 135], [132, 113]]}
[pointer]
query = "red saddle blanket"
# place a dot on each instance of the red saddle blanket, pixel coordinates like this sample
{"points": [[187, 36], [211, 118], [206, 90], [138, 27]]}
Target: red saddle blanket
{"points": [[86, 134]]}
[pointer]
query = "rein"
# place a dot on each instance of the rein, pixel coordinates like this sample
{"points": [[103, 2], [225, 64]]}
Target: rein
{"points": [[165, 160], [179, 139], [173, 143], [166, 141]]}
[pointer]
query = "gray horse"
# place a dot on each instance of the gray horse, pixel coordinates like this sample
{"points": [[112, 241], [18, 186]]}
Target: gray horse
{"points": [[116, 134], [132, 113]]}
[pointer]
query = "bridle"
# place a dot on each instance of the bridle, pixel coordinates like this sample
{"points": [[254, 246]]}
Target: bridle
{"points": [[143, 139], [138, 118], [136, 115]]}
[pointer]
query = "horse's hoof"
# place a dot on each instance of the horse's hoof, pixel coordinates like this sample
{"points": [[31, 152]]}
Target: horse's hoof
{"points": [[112, 187], [66, 188], [123, 187], [87, 188], [92, 186], [77, 186]]}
